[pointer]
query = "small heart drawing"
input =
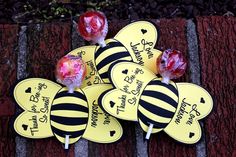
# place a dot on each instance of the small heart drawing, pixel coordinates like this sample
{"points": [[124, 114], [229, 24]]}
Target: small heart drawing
{"points": [[25, 127], [112, 133], [143, 31], [202, 100], [191, 134], [112, 104], [125, 71], [28, 90]]}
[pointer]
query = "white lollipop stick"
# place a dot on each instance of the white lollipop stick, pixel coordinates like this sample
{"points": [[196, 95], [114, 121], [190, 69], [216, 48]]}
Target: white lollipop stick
{"points": [[67, 139], [149, 131], [70, 89], [101, 42], [165, 80]]}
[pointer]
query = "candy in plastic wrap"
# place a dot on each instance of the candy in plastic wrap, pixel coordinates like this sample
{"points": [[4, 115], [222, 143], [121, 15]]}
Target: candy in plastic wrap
{"points": [[70, 71], [171, 65], [93, 26]]}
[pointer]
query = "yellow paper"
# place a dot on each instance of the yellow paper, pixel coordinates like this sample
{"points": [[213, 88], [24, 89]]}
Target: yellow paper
{"points": [[101, 127], [35, 96]]}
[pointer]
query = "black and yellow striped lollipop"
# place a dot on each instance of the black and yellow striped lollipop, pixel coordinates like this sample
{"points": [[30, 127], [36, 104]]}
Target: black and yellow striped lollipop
{"points": [[50, 110], [139, 95]]}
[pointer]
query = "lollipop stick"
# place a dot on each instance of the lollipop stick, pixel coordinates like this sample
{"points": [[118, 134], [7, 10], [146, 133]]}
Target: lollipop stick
{"points": [[102, 43], [67, 142], [149, 131], [70, 89], [165, 80]]}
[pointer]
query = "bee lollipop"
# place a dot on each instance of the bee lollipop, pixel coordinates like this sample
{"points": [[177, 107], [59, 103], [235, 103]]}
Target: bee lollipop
{"points": [[135, 42], [139, 95], [50, 110], [93, 27], [70, 71], [171, 64]]}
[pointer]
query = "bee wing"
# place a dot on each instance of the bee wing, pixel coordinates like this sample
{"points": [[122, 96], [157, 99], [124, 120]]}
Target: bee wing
{"points": [[129, 79], [35, 96], [87, 54], [101, 127], [194, 104], [139, 38]]}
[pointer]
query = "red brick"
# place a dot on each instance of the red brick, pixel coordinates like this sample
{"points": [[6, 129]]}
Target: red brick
{"points": [[49, 147], [8, 62], [7, 147], [47, 43], [125, 147], [217, 42]]}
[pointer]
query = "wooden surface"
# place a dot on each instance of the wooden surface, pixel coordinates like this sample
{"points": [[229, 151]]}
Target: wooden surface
{"points": [[46, 43], [8, 62], [217, 42]]}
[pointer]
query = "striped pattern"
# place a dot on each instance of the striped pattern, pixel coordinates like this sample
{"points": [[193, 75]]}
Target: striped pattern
{"points": [[105, 56], [157, 105], [69, 115]]}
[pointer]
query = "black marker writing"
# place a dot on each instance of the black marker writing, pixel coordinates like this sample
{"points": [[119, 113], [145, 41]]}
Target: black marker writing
{"points": [[121, 108], [94, 114], [182, 111]]}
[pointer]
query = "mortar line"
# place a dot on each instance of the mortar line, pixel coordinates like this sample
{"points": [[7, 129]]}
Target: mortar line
{"points": [[21, 148], [80, 147], [141, 144], [195, 75]]}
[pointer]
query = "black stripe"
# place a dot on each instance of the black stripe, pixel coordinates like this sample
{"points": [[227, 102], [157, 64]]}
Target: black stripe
{"points": [[161, 96], [68, 106], [169, 86], [75, 94], [69, 120], [61, 133], [108, 46], [104, 75], [109, 59], [147, 121], [156, 110]]}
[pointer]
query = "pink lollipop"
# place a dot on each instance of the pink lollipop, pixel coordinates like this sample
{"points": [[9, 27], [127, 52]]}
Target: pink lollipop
{"points": [[70, 71], [93, 26], [171, 65]]}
